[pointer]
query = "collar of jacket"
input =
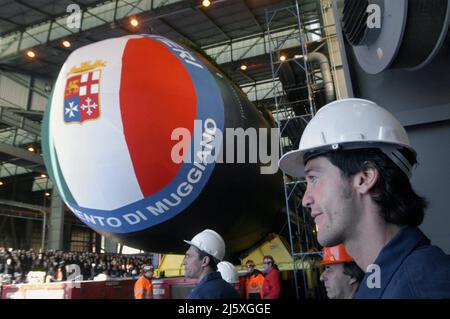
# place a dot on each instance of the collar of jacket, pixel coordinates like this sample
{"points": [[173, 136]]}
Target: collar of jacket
{"points": [[255, 273], [390, 259], [211, 276], [272, 270]]}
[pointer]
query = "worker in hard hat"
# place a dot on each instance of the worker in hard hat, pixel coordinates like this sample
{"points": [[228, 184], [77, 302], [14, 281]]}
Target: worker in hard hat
{"points": [[206, 250], [357, 161], [272, 279], [342, 275], [254, 281], [229, 273], [143, 288]]}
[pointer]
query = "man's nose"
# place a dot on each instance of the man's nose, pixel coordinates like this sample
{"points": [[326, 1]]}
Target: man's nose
{"points": [[323, 276], [307, 199]]}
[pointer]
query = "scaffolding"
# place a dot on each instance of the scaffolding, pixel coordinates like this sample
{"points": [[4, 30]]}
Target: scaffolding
{"points": [[291, 124]]}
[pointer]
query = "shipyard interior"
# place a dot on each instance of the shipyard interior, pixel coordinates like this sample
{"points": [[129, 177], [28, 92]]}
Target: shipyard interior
{"points": [[96, 97]]}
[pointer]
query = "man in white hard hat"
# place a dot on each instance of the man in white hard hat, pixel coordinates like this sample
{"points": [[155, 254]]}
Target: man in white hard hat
{"points": [[357, 161], [229, 273], [206, 250], [143, 287]]}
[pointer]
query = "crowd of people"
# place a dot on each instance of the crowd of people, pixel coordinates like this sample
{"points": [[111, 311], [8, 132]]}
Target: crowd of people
{"points": [[16, 264]]}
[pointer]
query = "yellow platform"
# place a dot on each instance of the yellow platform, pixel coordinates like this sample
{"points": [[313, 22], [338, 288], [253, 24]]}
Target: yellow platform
{"points": [[275, 248], [172, 265]]}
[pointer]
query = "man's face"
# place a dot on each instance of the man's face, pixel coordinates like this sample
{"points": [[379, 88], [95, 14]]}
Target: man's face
{"points": [[267, 264], [336, 282], [250, 267], [329, 196], [192, 263], [149, 273]]}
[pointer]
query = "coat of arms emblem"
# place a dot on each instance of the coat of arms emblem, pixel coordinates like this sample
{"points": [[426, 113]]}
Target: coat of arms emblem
{"points": [[81, 95]]}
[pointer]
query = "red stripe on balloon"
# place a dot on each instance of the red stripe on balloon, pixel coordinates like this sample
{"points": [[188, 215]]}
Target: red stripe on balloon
{"points": [[157, 95]]}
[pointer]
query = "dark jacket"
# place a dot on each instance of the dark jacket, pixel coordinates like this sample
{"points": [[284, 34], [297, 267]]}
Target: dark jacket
{"points": [[410, 267], [212, 286]]}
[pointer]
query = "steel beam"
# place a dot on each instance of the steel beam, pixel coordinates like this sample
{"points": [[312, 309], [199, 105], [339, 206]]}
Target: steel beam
{"points": [[9, 117]]}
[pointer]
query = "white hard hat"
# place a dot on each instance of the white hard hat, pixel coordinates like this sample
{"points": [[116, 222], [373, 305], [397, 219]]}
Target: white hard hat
{"points": [[209, 242], [148, 268], [228, 272], [350, 124]]}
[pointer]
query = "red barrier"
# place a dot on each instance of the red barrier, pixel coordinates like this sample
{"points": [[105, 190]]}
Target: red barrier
{"points": [[166, 288], [172, 288], [117, 289]]}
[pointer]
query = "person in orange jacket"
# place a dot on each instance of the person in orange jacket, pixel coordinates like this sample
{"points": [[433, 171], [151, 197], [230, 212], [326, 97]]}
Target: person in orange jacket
{"points": [[143, 288], [253, 282], [272, 279]]}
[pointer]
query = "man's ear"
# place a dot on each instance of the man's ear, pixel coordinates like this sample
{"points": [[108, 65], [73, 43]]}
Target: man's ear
{"points": [[206, 261], [352, 281], [365, 180]]}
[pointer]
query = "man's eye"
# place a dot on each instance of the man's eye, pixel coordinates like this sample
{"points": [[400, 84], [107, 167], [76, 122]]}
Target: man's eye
{"points": [[312, 179]]}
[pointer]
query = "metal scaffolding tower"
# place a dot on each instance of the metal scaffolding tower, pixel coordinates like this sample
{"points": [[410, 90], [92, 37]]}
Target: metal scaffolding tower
{"points": [[300, 225]]}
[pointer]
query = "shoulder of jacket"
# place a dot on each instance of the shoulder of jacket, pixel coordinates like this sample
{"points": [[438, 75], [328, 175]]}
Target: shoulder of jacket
{"points": [[426, 268], [427, 256]]}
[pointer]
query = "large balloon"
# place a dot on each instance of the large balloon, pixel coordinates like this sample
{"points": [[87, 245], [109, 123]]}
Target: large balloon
{"points": [[113, 129]]}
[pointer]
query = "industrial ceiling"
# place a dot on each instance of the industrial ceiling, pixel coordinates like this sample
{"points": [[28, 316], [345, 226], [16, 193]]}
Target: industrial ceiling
{"points": [[231, 32]]}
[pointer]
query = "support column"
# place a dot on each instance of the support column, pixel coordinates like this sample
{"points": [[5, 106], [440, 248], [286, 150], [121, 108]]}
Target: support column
{"points": [[67, 237], [156, 259], [98, 242], [91, 243], [28, 234], [110, 245], [15, 242], [56, 222]]}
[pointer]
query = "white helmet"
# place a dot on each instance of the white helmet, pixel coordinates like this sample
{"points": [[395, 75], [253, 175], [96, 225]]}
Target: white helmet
{"points": [[350, 124], [209, 242], [148, 268], [228, 272]]}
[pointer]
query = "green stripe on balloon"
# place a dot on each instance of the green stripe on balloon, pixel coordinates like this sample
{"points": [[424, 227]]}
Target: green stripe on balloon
{"points": [[53, 168]]}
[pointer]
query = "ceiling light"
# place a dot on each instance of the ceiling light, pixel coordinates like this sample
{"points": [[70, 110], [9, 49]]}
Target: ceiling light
{"points": [[134, 22], [1, 183], [243, 67], [31, 54], [66, 44], [43, 175], [30, 149], [47, 194], [206, 3], [282, 58]]}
